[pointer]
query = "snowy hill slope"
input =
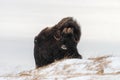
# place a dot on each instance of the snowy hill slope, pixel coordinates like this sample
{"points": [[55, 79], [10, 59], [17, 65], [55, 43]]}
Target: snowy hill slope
{"points": [[100, 68]]}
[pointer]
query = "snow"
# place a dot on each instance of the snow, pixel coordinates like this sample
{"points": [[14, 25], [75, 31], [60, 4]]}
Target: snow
{"points": [[114, 66], [7, 69], [99, 68]]}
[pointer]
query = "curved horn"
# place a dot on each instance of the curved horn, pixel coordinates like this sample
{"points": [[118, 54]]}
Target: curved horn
{"points": [[57, 36]]}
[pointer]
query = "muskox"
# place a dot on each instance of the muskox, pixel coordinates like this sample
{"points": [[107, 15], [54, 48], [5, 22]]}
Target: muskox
{"points": [[57, 42]]}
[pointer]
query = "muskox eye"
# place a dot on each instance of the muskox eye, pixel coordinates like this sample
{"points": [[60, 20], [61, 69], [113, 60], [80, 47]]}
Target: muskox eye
{"points": [[64, 47]]}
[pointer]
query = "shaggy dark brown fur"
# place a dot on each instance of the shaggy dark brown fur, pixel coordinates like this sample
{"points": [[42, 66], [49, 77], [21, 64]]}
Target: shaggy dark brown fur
{"points": [[57, 42]]}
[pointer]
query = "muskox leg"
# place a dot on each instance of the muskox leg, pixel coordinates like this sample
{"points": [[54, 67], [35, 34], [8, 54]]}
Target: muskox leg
{"points": [[76, 55]]}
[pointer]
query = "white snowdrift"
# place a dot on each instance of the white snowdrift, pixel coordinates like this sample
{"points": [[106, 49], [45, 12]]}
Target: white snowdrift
{"points": [[100, 68]]}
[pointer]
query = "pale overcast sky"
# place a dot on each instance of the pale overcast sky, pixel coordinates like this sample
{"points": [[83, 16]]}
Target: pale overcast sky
{"points": [[99, 19], [21, 20]]}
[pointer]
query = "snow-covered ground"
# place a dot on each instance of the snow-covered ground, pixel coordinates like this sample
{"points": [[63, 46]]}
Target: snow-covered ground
{"points": [[99, 68]]}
